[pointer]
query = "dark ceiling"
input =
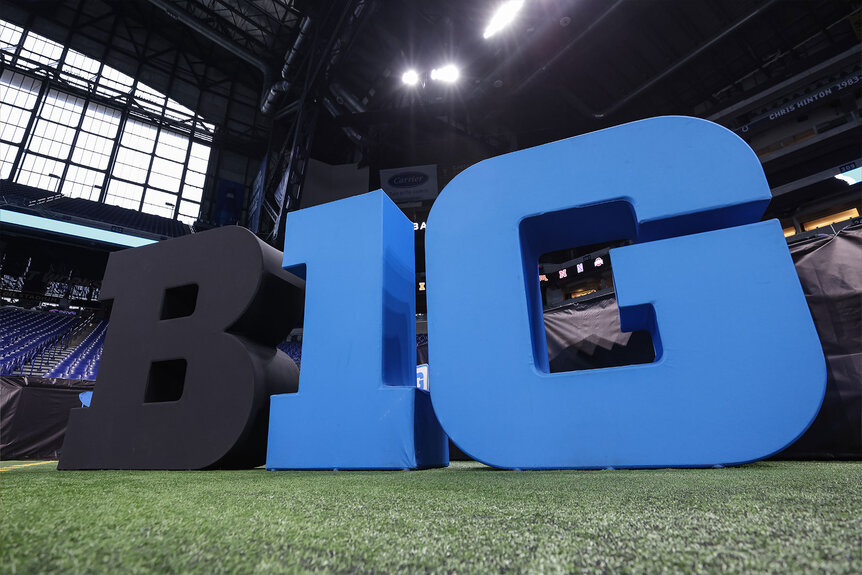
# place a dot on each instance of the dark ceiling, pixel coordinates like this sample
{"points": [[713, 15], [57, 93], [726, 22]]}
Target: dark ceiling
{"points": [[565, 67], [571, 66]]}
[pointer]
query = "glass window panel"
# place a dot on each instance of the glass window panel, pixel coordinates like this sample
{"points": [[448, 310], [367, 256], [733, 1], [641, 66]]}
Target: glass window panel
{"points": [[10, 36], [198, 165], [124, 194], [41, 50], [19, 90], [51, 139], [173, 115], [177, 111], [131, 165], [192, 193], [80, 70], [13, 123], [201, 152], [176, 106], [77, 62], [139, 136], [62, 108], [149, 98], [101, 120], [112, 82], [7, 158], [159, 203], [40, 172], [92, 150], [172, 146], [83, 183], [147, 155], [166, 175], [190, 209], [195, 179]]}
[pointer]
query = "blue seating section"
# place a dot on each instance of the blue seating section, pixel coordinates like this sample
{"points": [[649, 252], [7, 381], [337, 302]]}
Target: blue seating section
{"points": [[83, 363], [57, 206], [18, 194], [115, 215], [293, 349], [24, 334]]}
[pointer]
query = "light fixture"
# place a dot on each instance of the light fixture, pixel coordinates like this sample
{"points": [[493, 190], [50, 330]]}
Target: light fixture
{"points": [[410, 77], [503, 16], [448, 74]]}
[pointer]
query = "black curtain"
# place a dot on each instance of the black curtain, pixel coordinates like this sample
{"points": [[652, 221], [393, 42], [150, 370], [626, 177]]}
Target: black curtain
{"points": [[830, 270], [34, 412]]}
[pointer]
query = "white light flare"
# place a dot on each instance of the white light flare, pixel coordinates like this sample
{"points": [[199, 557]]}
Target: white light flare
{"points": [[410, 77], [503, 16], [448, 74]]}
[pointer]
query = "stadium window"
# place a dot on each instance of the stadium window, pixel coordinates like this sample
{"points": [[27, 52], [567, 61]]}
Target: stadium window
{"points": [[10, 36], [139, 136], [18, 97], [7, 155], [101, 120], [40, 172], [112, 83], [189, 212], [92, 151], [159, 203], [39, 52], [176, 111], [119, 151], [83, 183], [51, 141], [131, 165], [124, 194], [149, 99], [193, 182], [172, 146], [165, 175], [80, 70], [62, 108]]}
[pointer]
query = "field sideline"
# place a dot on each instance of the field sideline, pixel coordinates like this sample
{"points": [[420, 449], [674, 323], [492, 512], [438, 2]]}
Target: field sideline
{"points": [[769, 517]]}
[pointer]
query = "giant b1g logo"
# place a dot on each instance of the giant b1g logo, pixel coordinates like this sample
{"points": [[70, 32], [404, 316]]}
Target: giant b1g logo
{"points": [[738, 374]]}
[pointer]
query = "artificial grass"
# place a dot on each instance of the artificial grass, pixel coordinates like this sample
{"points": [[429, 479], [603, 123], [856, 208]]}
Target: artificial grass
{"points": [[772, 517]]}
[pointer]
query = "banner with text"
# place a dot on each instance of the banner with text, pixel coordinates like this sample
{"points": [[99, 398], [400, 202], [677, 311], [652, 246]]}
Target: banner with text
{"points": [[411, 184]]}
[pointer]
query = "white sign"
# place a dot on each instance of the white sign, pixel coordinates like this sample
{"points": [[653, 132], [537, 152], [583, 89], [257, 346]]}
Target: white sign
{"points": [[422, 376], [410, 184]]}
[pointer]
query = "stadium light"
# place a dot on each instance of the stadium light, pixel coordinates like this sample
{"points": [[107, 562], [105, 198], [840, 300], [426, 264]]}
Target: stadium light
{"points": [[448, 74], [503, 16], [410, 77]]}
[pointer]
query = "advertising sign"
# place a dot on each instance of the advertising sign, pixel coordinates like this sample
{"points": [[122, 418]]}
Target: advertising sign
{"points": [[411, 184]]}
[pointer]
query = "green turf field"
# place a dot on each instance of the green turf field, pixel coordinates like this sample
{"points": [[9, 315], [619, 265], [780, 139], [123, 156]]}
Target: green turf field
{"points": [[776, 517]]}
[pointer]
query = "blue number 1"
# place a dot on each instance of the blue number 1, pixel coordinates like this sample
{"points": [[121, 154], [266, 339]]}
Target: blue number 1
{"points": [[357, 406]]}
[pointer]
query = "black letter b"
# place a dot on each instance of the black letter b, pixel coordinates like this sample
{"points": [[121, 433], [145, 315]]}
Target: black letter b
{"points": [[189, 361]]}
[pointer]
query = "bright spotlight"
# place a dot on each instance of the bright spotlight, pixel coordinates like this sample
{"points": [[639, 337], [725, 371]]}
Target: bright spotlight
{"points": [[504, 16], [410, 77], [448, 74]]}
